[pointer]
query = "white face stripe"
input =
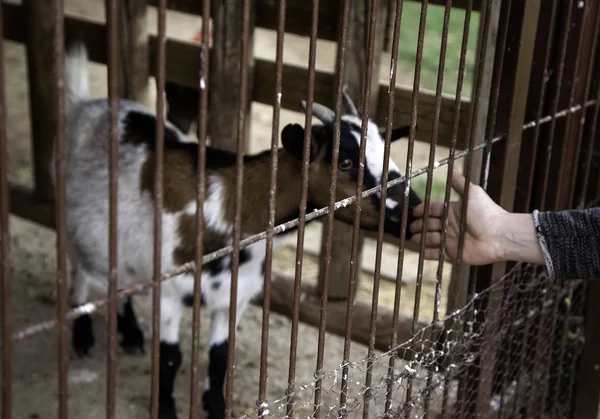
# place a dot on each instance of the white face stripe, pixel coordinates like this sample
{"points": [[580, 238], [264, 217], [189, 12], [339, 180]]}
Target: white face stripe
{"points": [[375, 148]]}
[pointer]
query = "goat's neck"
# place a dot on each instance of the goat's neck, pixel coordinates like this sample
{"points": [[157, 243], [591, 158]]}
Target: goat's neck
{"points": [[257, 175]]}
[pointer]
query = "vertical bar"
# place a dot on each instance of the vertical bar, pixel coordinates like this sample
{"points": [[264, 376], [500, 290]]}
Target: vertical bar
{"points": [[332, 199], [158, 203], [112, 19], [448, 189], [588, 83], [559, 79], [579, 52], [398, 287], [200, 195], [303, 199], [430, 168], [359, 188], [61, 210], [409, 158], [262, 387], [5, 277], [237, 221], [382, 208], [590, 147], [540, 109]]}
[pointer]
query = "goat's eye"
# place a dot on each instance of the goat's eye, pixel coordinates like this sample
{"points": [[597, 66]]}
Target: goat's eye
{"points": [[346, 164]]}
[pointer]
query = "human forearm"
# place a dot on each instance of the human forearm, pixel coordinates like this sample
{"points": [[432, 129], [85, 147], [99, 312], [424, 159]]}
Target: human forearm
{"points": [[518, 240]]}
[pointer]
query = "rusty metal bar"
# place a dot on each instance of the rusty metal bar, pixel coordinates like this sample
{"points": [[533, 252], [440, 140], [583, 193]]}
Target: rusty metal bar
{"points": [[158, 205], [448, 188], [326, 257], [112, 19], [566, 29], [544, 81], [574, 84], [291, 396], [596, 115], [61, 213], [428, 187], [359, 186], [408, 170], [5, 270], [379, 243], [389, 120], [272, 208], [200, 197], [237, 220]]}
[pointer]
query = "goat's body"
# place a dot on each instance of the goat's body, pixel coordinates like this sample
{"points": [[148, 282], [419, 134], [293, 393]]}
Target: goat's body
{"points": [[88, 215], [88, 140]]}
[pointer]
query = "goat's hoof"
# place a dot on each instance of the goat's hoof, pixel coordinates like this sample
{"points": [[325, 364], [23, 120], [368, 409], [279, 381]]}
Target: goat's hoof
{"points": [[166, 409], [214, 405], [132, 343], [82, 339]]}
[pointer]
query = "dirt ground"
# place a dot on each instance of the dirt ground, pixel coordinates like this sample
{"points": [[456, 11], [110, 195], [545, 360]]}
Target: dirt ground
{"points": [[34, 270]]}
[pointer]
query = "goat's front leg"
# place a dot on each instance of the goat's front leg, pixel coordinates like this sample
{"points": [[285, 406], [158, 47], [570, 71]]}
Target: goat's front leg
{"points": [[132, 337], [171, 310], [213, 398]]}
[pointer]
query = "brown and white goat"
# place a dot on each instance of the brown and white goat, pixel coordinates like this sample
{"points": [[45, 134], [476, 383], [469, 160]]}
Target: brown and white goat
{"points": [[87, 208]]}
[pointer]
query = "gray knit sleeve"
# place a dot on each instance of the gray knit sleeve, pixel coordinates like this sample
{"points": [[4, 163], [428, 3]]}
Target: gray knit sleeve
{"points": [[570, 241]]}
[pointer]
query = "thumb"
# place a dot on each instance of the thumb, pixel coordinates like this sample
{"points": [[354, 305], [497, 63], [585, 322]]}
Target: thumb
{"points": [[458, 181]]}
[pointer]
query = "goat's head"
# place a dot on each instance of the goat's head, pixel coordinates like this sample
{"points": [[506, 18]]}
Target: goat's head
{"points": [[321, 150]]}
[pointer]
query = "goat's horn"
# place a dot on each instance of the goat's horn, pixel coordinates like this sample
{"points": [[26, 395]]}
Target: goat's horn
{"points": [[349, 104], [323, 113]]}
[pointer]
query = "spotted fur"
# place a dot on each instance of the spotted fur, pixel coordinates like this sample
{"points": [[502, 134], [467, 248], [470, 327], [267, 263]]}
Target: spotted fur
{"points": [[87, 132]]}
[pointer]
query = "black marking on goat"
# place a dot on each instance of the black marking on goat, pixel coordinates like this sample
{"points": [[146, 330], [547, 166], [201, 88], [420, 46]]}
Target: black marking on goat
{"points": [[132, 337], [216, 285], [140, 128], [188, 300], [82, 338], [213, 399], [170, 361], [214, 267], [263, 267]]}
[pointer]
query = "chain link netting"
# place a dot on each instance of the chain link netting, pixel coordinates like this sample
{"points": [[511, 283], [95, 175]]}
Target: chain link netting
{"points": [[510, 350]]}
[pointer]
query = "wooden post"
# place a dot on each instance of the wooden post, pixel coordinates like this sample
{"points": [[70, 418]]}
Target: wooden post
{"points": [[354, 75], [133, 83], [224, 75], [41, 67]]}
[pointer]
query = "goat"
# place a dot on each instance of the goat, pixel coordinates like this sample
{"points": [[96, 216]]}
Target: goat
{"points": [[87, 131]]}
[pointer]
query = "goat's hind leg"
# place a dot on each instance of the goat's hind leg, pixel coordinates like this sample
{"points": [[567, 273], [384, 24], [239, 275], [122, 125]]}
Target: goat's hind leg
{"points": [[132, 337], [213, 398], [82, 333]]}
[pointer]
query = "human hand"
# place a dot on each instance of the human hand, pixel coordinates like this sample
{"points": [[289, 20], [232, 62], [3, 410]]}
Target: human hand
{"points": [[484, 226]]}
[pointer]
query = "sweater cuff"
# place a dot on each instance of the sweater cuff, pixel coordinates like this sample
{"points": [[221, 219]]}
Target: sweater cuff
{"points": [[544, 245]]}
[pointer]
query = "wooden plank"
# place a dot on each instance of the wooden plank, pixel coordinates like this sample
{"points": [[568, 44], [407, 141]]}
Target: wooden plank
{"points": [[133, 83], [183, 62], [39, 33], [224, 75], [298, 14]]}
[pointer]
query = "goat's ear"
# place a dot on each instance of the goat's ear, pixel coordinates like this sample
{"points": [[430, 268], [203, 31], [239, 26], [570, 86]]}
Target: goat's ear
{"points": [[292, 137], [397, 133]]}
